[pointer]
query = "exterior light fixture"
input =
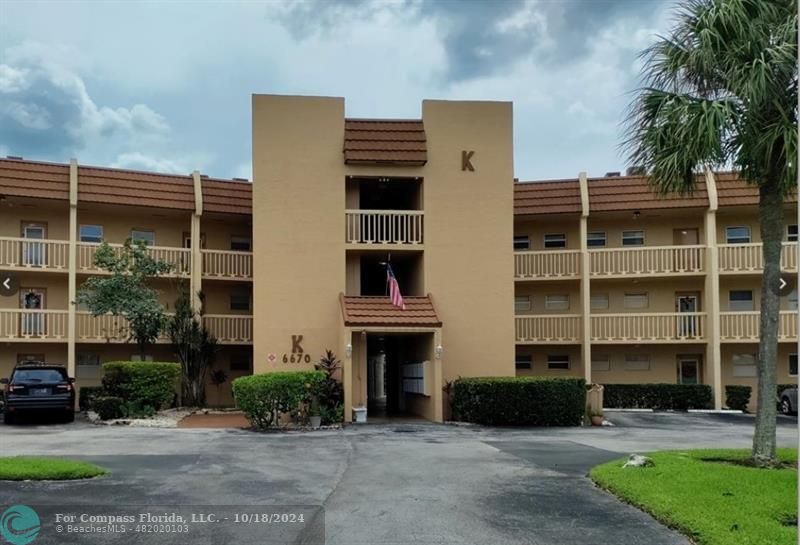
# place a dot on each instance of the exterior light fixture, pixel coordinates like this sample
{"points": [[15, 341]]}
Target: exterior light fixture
{"points": [[438, 351], [348, 350], [636, 214]]}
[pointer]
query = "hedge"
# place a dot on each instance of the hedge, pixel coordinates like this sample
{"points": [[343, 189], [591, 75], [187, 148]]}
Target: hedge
{"points": [[520, 401], [150, 386], [678, 397], [108, 407], [737, 397], [267, 397], [86, 395]]}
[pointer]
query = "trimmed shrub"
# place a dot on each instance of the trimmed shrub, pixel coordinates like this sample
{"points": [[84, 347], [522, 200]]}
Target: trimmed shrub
{"points": [[520, 401], [149, 386], [108, 407], [676, 397], [737, 397], [265, 398], [86, 394]]}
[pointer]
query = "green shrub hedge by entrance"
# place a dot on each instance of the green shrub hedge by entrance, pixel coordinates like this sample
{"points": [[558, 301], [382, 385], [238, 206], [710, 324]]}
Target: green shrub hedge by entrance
{"points": [[108, 407], [151, 386], [86, 394], [265, 398], [737, 397], [520, 401], [677, 397]]}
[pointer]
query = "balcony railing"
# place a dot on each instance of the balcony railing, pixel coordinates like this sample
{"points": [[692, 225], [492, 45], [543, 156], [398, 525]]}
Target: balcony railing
{"points": [[555, 328], [34, 254], [649, 328], [648, 261], [179, 258], [547, 264], [748, 258], [230, 329], [105, 328], [33, 325], [380, 227], [226, 264], [744, 326]]}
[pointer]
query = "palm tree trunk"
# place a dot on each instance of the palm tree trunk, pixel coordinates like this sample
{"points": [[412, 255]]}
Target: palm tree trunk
{"points": [[770, 213]]}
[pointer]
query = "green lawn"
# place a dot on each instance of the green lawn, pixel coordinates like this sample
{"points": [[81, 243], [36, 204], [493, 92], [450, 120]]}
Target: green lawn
{"points": [[713, 503], [21, 468]]}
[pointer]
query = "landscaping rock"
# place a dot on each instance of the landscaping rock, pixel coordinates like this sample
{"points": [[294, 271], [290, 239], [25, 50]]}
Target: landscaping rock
{"points": [[637, 460]]}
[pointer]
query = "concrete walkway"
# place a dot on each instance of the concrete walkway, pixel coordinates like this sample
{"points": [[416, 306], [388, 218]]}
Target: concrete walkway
{"points": [[391, 484]]}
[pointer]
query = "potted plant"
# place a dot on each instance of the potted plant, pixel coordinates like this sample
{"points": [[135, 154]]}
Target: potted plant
{"points": [[597, 418]]}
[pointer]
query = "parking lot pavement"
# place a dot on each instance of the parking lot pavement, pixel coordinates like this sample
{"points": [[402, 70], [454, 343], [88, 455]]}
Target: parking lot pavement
{"points": [[388, 484]]}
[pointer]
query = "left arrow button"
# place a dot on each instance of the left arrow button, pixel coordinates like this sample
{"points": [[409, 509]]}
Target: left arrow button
{"points": [[8, 285]]}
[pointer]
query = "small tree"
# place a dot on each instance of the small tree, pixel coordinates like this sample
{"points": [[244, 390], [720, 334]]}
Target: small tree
{"points": [[126, 292], [330, 394], [196, 349]]}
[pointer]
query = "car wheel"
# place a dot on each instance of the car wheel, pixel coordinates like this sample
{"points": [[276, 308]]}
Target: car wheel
{"points": [[8, 419], [786, 406], [69, 416]]}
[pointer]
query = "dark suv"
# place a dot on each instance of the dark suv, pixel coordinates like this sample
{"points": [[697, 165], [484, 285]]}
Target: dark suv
{"points": [[38, 387]]}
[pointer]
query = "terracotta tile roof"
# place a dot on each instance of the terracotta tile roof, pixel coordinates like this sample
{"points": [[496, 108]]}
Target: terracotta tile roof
{"points": [[398, 142], [379, 311], [733, 191], [35, 179], [624, 193], [129, 187], [227, 197], [550, 197]]}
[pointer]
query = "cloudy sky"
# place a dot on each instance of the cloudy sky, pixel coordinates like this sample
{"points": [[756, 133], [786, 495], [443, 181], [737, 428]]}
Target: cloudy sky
{"points": [[167, 85]]}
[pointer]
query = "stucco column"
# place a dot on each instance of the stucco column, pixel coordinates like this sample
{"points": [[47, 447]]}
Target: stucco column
{"points": [[196, 267], [712, 306], [347, 373], [585, 290], [438, 381], [72, 265]]}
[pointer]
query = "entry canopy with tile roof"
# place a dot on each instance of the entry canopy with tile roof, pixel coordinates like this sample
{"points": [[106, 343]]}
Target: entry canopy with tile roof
{"points": [[385, 141], [361, 311]]}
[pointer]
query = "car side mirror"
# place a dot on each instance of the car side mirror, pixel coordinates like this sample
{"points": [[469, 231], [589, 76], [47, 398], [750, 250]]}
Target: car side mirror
{"points": [[3, 381]]}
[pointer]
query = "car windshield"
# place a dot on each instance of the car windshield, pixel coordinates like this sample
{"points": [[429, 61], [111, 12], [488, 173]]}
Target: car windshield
{"points": [[39, 375]]}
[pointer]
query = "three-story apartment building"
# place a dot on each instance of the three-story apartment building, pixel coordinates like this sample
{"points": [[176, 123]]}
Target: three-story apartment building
{"points": [[605, 279]]}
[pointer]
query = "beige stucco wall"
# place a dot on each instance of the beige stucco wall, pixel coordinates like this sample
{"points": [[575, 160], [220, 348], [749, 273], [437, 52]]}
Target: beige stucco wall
{"points": [[53, 353], [747, 216], [118, 221], [658, 231], [298, 225], [783, 377], [535, 230], [468, 233], [663, 363], [538, 292], [661, 293], [54, 214], [539, 361]]}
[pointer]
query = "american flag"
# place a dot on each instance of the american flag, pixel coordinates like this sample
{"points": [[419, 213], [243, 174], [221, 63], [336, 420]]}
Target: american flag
{"points": [[394, 288]]}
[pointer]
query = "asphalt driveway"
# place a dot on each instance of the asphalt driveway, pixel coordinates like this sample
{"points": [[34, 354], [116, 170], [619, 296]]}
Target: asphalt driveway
{"points": [[388, 484]]}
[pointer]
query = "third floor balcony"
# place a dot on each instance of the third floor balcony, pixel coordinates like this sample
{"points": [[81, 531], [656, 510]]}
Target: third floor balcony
{"points": [[381, 228]]}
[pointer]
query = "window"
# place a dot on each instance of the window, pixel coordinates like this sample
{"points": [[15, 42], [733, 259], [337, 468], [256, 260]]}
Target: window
{"points": [[793, 365], [600, 363], [523, 361], [137, 357], [737, 235], [791, 233], [791, 299], [556, 302], [744, 365], [596, 238], [88, 359], [91, 233], [740, 300], [522, 303], [240, 301], [148, 237], [240, 362], [556, 240], [637, 362], [633, 238], [636, 300], [522, 242], [598, 301], [241, 244], [558, 361]]}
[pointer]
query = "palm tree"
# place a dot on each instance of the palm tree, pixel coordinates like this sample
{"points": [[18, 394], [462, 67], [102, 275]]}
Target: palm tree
{"points": [[720, 91]]}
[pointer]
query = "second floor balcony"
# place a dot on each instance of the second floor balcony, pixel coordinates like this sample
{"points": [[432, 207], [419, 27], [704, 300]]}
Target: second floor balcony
{"points": [[34, 254], [745, 326], [749, 259], [381, 228]]}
